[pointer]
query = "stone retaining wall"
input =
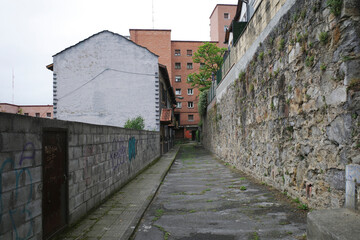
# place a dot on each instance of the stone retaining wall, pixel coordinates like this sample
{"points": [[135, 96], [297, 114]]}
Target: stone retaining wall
{"points": [[99, 160], [290, 117]]}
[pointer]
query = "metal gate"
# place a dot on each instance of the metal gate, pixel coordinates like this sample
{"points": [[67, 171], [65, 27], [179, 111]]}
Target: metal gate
{"points": [[54, 204]]}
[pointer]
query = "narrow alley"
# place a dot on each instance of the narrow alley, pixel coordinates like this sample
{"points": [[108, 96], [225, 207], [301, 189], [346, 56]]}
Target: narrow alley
{"points": [[202, 198]]}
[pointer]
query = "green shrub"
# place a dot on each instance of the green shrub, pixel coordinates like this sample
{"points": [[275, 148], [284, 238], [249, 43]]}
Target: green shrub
{"points": [[202, 105], [309, 61], [135, 123], [281, 44], [241, 76], [323, 37], [323, 67], [335, 6], [261, 56]]}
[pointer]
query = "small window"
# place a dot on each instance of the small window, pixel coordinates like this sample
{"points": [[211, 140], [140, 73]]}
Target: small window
{"points": [[189, 66], [190, 104], [177, 65], [191, 117], [48, 115], [226, 28], [177, 78], [202, 65], [226, 15], [177, 52], [189, 53], [178, 91], [37, 114], [190, 91], [178, 105], [26, 114]]}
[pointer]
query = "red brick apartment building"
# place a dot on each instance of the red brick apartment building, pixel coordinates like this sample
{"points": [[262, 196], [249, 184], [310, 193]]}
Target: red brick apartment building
{"points": [[220, 20], [45, 111], [177, 56]]}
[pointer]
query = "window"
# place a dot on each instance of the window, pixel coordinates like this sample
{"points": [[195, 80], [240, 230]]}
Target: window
{"points": [[202, 65], [48, 115], [225, 28], [190, 91], [189, 66], [37, 114], [190, 117], [177, 78], [178, 91], [178, 105], [189, 53], [177, 52], [190, 104], [226, 15], [26, 114], [177, 65]]}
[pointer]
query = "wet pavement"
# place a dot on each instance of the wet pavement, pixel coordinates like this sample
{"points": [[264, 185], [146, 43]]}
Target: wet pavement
{"points": [[203, 198]]}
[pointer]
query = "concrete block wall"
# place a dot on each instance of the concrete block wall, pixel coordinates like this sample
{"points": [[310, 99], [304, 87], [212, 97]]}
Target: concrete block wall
{"points": [[100, 160]]}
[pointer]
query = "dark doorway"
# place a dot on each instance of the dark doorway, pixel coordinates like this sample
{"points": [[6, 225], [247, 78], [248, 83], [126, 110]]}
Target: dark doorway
{"points": [[54, 204], [193, 135]]}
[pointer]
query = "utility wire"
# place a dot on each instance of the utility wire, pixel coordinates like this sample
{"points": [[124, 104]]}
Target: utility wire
{"points": [[107, 69]]}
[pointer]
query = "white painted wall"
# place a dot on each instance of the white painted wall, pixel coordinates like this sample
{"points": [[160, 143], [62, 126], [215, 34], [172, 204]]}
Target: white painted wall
{"points": [[106, 79]]}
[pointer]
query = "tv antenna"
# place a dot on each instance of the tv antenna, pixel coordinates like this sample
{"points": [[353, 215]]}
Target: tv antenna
{"points": [[153, 15], [13, 84]]}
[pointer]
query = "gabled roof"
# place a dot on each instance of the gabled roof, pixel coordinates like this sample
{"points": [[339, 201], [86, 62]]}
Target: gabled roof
{"points": [[105, 31]]}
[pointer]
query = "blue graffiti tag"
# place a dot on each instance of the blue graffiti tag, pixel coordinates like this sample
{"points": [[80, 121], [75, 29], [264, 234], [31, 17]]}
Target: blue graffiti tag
{"points": [[18, 174], [132, 148]]}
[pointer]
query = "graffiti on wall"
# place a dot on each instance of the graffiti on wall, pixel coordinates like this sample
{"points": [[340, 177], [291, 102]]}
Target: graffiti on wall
{"points": [[118, 153], [27, 155], [132, 148]]}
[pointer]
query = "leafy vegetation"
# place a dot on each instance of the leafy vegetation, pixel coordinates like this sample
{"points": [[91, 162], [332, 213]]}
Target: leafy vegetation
{"points": [[335, 6], [323, 67], [202, 105], [211, 57], [135, 123], [281, 44], [242, 76], [309, 61], [261, 56], [323, 37]]}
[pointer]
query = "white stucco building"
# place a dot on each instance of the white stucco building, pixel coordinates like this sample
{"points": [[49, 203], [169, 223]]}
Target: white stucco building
{"points": [[106, 79]]}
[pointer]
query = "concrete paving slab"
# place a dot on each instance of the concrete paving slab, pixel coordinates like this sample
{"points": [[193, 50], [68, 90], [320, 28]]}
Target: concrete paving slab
{"points": [[201, 198]]}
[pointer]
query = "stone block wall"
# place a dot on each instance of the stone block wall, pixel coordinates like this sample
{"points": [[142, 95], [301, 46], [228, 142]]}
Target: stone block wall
{"points": [[100, 160], [289, 114]]}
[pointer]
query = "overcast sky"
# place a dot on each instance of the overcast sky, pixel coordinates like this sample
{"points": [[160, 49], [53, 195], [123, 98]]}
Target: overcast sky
{"points": [[32, 31]]}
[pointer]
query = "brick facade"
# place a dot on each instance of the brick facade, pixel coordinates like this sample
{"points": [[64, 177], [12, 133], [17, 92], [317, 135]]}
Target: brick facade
{"points": [[221, 16], [159, 42], [45, 111]]}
